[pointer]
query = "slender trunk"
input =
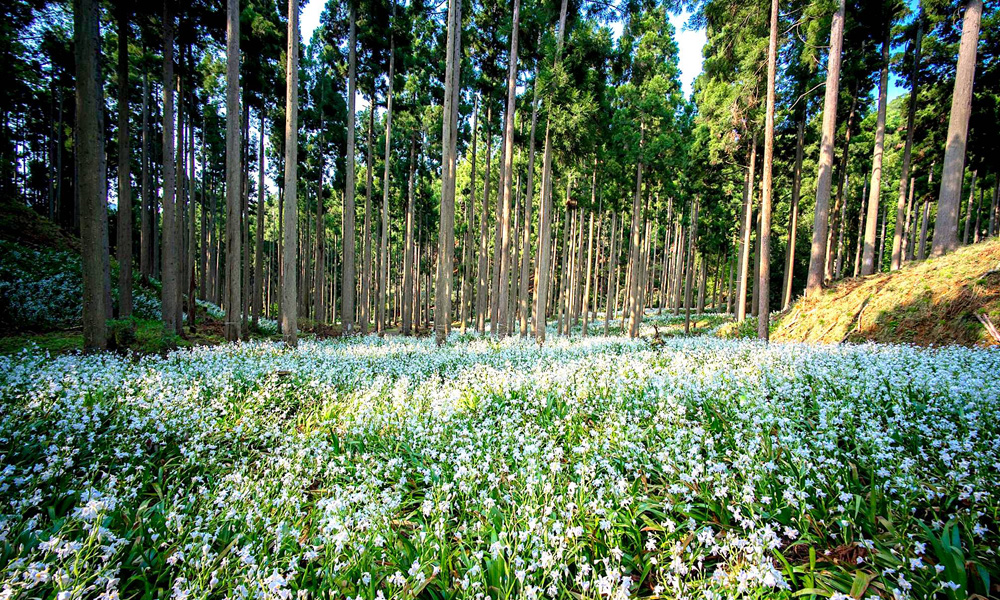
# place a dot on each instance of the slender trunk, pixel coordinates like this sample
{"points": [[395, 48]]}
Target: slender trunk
{"points": [[793, 219], [347, 288], [383, 263], [545, 213], [860, 241], [366, 258], [124, 249], [289, 305], [609, 305], [470, 211], [528, 200], [908, 230], [746, 228], [319, 268], [926, 217], [258, 262], [408, 270], [764, 277], [483, 283], [590, 262], [968, 210], [949, 198], [691, 249], [503, 292], [875, 189], [824, 179], [904, 177]]}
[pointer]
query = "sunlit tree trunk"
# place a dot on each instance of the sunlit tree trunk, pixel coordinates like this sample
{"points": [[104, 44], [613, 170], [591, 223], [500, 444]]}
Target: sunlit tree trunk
{"points": [[746, 229], [824, 178], [504, 232], [528, 200], [793, 219], [347, 288], [926, 217], [968, 210], [764, 275], [319, 268], [692, 248], [902, 218], [383, 263], [949, 198], [875, 188], [258, 263], [483, 271], [470, 211], [289, 288], [366, 258], [408, 268]]}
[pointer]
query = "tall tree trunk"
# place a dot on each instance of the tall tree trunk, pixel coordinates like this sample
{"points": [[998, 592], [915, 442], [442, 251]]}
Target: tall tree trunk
{"points": [[92, 191], [320, 267], [258, 263], [449, 151], [234, 299], [545, 213], [508, 163], [635, 315], [192, 245], [529, 190], [203, 255], [926, 216], [793, 219], [904, 177], [383, 266], [746, 229], [124, 249], [483, 271], [347, 288], [908, 230], [289, 306], [824, 179], [590, 262], [609, 306], [691, 249], [764, 276], [408, 269], [366, 258], [470, 211], [861, 227], [949, 198], [875, 189], [169, 254], [968, 210]]}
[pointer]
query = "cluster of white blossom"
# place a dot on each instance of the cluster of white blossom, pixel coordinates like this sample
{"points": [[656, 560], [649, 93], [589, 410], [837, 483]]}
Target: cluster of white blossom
{"points": [[590, 467]]}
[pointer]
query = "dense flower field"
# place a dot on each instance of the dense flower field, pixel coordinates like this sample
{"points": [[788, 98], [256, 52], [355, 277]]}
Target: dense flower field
{"points": [[596, 467]]}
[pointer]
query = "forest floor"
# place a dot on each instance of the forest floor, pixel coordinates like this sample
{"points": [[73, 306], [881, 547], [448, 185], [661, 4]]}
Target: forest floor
{"points": [[591, 467], [934, 302]]}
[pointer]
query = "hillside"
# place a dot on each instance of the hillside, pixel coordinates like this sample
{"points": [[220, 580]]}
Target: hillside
{"points": [[933, 302]]}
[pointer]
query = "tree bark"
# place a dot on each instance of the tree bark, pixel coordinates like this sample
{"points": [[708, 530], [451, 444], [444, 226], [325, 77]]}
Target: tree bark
{"points": [[817, 256], [508, 163], [968, 210], [366, 258], [902, 217], [764, 277], [124, 249], [347, 287], [483, 271], [691, 245], [746, 229], [383, 266], [946, 225], [169, 269], [637, 218], [233, 173], [470, 212], [528, 200], [408, 268], [875, 189], [92, 191], [793, 219], [258, 262], [289, 289]]}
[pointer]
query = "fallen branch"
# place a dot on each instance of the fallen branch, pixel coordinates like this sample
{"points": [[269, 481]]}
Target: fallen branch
{"points": [[990, 327]]}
